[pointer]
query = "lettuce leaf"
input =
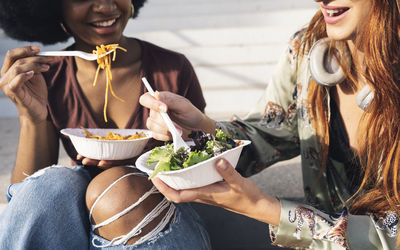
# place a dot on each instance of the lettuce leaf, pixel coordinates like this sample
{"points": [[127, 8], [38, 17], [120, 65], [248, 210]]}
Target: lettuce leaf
{"points": [[196, 157], [162, 165], [206, 146], [159, 153], [221, 136]]}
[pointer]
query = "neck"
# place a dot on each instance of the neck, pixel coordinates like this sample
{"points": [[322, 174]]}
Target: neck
{"points": [[357, 56], [358, 59]]}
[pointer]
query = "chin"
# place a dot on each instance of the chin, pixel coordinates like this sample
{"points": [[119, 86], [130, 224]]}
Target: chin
{"points": [[339, 34]]}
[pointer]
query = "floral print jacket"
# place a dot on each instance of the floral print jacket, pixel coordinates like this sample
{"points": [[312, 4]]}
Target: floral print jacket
{"points": [[280, 129]]}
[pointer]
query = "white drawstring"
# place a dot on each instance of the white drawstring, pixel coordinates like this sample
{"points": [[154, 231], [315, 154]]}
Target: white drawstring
{"points": [[106, 190], [126, 210], [146, 220], [123, 239], [163, 223]]}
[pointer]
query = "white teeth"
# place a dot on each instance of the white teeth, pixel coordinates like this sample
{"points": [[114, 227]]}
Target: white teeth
{"points": [[332, 12], [105, 23]]}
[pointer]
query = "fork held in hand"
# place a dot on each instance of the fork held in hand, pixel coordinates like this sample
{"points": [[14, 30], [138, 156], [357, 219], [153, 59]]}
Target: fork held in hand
{"points": [[81, 54], [176, 137]]}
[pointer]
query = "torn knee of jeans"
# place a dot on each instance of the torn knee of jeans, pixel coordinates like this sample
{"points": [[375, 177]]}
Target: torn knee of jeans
{"points": [[136, 230], [40, 172]]}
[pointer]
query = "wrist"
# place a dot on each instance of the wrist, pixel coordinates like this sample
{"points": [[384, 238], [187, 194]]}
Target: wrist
{"points": [[268, 210], [28, 122], [207, 125]]}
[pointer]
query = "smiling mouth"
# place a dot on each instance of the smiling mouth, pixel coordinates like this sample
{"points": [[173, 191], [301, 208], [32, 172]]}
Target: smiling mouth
{"points": [[104, 24], [336, 12]]}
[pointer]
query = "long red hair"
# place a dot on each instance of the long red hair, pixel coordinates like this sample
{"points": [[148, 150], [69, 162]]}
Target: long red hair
{"points": [[379, 128]]}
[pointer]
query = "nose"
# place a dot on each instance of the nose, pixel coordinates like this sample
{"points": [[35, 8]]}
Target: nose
{"points": [[104, 5]]}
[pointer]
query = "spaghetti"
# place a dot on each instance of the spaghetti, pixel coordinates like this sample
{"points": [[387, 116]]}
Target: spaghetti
{"points": [[104, 62]]}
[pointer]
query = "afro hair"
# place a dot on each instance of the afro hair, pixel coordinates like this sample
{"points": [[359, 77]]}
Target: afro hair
{"points": [[38, 20]]}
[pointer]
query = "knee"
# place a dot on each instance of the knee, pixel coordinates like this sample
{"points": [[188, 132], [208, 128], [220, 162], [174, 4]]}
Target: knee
{"points": [[120, 196], [128, 188], [50, 188], [58, 181]]}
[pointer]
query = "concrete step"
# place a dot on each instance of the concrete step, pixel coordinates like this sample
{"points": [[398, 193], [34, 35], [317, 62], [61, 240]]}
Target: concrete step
{"points": [[258, 19], [244, 76], [234, 55], [7, 108], [232, 44], [2, 206], [162, 8], [210, 37], [222, 104]]}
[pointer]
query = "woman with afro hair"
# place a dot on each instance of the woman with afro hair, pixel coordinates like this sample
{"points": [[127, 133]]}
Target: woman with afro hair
{"points": [[48, 204]]}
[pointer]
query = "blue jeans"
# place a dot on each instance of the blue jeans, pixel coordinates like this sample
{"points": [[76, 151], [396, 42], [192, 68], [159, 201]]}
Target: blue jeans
{"points": [[48, 211]]}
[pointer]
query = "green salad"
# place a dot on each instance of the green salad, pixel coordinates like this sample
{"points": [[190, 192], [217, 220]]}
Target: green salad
{"points": [[206, 146]]}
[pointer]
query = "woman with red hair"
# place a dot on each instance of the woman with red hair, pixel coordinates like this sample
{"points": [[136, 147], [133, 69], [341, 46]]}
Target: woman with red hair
{"points": [[334, 100]]}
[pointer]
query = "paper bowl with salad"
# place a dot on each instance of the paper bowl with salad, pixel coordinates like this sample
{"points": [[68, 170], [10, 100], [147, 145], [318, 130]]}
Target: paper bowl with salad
{"points": [[195, 167], [108, 144]]}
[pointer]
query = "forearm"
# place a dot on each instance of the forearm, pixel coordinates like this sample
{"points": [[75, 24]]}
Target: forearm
{"points": [[37, 148], [204, 123], [207, 125]]}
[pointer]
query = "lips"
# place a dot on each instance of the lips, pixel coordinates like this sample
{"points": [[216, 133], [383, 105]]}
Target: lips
{"points": [[105, 26], [333, 14], [104, 23], [336, 12]]}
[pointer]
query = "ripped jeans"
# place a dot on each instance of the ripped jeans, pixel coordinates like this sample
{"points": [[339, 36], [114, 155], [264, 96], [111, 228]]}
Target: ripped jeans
{"points": [[48, 211]]}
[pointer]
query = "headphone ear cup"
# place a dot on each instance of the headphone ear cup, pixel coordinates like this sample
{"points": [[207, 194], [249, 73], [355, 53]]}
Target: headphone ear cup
{"points": [[326, 71], [324, 68], [364, 97]]}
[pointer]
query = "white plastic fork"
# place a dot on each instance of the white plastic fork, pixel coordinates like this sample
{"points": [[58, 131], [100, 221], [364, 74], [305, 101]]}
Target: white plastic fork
{"points": [[176, 137], [81, 54]]}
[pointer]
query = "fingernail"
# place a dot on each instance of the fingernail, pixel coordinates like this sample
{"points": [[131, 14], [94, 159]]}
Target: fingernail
{"points": [[35, 48], [221, 164], [163, 108], [29, 73], [45, 66], [157, 95]]}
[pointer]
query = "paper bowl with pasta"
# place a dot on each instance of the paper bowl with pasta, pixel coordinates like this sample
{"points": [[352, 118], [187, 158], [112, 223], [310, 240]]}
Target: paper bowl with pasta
{"points": [[108, 144]]}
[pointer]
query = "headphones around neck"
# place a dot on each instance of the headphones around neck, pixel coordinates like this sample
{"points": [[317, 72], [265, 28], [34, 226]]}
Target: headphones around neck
{"points": [[326, 71]]}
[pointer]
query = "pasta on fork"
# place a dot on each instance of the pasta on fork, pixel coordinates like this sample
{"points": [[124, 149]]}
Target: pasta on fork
{"points": [[104, 62]]}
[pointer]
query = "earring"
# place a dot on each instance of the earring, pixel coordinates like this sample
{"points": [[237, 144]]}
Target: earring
{"points": [[133, 10], [64, 29]]}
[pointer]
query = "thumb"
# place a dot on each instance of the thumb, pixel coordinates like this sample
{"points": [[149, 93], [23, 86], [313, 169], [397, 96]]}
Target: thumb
{"points": [[153, 103], [227, 172]]}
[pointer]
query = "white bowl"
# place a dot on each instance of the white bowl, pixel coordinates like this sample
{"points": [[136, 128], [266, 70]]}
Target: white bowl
{"points": [[107, 149], [198, 175]]}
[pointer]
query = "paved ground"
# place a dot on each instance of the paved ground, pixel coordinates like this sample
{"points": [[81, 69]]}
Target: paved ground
{"points": [[233, 46]]}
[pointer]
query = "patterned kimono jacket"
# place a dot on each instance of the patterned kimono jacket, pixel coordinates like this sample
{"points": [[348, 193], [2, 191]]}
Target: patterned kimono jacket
{"points": [[279, 128]]}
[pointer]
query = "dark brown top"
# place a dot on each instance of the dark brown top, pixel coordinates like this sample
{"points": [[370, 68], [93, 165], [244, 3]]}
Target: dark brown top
{"points": [[164, 69]]}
